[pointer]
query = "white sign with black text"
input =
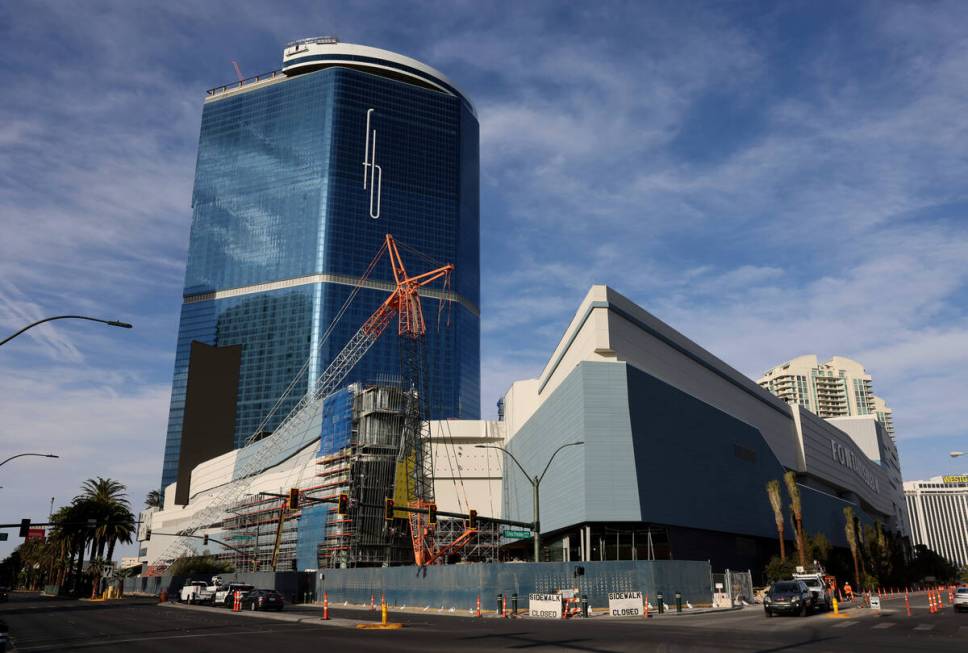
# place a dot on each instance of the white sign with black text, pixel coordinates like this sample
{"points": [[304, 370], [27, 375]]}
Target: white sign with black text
{"points": [[625, 604], [544, 606]]}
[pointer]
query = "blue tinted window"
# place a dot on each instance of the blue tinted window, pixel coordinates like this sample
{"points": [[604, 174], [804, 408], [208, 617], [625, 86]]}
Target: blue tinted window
{"points": [[279, 195]]}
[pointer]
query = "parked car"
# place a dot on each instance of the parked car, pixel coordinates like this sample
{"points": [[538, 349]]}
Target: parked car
{"points": [[225, 596], [262, 600], [961, 599], [789, 596]]}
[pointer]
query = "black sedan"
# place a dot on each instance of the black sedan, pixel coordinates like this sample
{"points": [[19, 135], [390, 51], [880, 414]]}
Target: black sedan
{"points": [[790, 597], [262, 600]]}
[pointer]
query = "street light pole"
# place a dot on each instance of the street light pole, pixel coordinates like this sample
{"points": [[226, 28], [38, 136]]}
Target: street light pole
{"points": [[42, 455], [535, 489], [114, 323]]}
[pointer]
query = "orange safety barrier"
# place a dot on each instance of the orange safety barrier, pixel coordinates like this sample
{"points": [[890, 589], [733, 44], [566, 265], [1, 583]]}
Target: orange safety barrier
{"points": [[477, 610], [237, 601], [325, 606], [646, 607], [907, 604], [372, 602], [504, 606]]}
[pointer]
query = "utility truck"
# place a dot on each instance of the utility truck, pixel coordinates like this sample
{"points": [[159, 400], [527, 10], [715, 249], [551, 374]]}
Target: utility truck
{"points": [[197, 591], [819, 586]]}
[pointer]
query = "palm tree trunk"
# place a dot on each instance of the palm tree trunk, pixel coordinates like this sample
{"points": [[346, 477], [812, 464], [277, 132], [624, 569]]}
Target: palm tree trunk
{"points": [[779, 530], [111, 549]]}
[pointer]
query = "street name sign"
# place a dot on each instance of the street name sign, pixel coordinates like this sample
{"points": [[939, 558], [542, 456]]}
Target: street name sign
{"points": [[515, 535]]}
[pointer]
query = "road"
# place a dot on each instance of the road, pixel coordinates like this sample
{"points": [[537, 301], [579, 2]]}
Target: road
{"points": [[41, 624]]}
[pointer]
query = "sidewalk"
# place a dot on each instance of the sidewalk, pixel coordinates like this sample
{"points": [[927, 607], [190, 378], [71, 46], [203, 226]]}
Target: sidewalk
{"points": [[291, 616]]}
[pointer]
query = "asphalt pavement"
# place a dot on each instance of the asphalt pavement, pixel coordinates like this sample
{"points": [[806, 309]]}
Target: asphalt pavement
{"points": [[45, 624]]}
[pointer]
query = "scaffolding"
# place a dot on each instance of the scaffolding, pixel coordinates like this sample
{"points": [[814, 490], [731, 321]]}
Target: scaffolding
{"points": [[366, 470], [264, 531]]}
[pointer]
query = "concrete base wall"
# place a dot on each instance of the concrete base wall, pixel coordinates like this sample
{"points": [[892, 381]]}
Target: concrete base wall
{"points": [[458, 586]]}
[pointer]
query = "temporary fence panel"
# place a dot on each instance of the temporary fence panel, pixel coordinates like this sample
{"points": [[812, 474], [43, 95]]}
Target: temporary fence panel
{"points": [[460, 585]]}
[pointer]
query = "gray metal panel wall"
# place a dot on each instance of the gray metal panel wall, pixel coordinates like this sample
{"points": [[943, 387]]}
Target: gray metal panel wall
{"points": [[686, 366], [561, 419], [697, 466], [458, 586], [821, 462]]}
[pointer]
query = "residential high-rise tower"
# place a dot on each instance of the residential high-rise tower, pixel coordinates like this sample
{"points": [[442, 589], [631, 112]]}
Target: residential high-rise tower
{"points": [[841, 387], [300, 175]]}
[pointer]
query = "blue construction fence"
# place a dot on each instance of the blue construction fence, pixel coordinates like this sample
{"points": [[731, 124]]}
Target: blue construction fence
{"points": [[458, 586]]}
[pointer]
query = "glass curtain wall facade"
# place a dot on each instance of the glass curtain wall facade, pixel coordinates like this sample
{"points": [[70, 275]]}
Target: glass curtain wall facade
{"points": [[282, 230]]}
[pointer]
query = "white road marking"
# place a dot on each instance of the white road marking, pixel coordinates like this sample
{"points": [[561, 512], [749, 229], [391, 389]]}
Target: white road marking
{"points": [[846, 624], [924, 627], [885, 625]]}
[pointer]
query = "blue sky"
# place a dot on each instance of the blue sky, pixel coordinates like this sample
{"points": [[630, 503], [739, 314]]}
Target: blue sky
{"points": [[771, 179]]}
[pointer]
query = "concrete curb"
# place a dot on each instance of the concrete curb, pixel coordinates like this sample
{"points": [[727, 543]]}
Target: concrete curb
{"points": [[277, 616]]}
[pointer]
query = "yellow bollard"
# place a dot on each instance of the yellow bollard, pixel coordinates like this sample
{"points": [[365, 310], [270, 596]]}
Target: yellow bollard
{"points": [[383, 613]]}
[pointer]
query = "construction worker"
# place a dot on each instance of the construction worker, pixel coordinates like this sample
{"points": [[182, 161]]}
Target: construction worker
{"points": [[848, 591]]}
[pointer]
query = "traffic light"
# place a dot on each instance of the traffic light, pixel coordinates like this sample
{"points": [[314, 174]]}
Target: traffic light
{"points": [[472, 519], [343, 504], [432, 513], [24, 527], [388, 510], [293, 498], [205, 540]]}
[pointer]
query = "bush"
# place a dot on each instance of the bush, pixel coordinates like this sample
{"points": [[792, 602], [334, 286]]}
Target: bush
{"points": [[779, 569]]}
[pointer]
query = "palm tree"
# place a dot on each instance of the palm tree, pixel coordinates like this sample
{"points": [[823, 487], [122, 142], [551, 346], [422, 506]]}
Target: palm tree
{"points": [[120, 528], [153, 499], [850, 530], [105, 500], [773, 492], [796, 508]]}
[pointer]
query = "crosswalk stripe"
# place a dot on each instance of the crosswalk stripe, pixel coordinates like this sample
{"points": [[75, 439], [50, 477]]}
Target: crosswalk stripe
{"points": [[885, 625], [924, 627], [846, 624]]}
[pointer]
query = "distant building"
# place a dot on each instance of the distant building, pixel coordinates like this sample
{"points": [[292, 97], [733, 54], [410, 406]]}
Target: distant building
{"points": [[938, 510], [841, 387], [300, 175]]}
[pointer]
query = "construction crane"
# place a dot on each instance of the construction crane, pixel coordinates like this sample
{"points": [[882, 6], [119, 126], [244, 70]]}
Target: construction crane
{"points": [[403, 302]]}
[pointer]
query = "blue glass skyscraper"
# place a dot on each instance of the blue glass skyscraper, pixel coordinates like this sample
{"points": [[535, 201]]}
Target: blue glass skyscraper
{"points": [[300, 174]]}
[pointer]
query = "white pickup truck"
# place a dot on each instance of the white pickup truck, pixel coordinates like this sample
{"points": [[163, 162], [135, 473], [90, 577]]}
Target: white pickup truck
{"points": [[194, 592], [818, 586]]}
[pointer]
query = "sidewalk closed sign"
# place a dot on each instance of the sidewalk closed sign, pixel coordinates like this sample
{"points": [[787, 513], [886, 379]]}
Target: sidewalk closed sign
{"points": [[625, 604], [545, 606]]}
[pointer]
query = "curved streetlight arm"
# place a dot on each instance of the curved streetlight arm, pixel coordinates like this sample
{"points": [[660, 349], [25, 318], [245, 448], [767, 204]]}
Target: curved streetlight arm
{"points": [[955, 454], [114, 323], [550, 460], [516, 462], [42, 455]]}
